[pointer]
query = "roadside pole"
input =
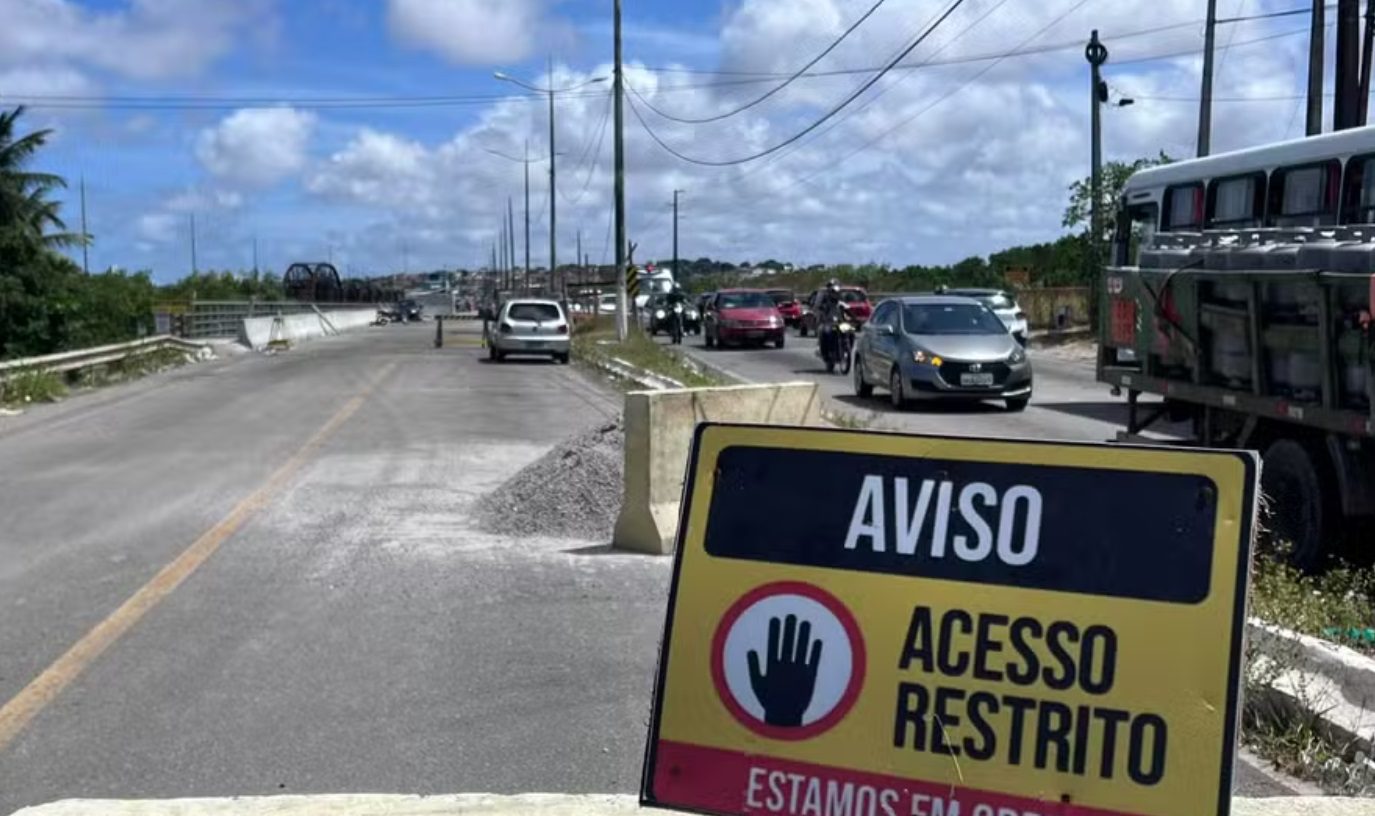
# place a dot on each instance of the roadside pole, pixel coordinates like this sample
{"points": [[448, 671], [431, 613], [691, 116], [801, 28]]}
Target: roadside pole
{"points": [[676, 277], [1097, 54], [622, 323], [1205, 99]]}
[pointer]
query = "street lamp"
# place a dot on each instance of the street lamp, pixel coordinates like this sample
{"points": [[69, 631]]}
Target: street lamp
{"points": [[553, 206]]}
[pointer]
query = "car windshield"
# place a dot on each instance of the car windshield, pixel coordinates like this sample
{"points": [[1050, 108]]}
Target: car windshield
{"points": [[781, 296], [744, 300], [537, 312], [950, 318], [853, 295], [998, 301]]}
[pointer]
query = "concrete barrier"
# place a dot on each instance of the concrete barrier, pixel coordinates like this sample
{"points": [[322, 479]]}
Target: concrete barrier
{"points": [[257, 331], [535, 804], [658, 436]]}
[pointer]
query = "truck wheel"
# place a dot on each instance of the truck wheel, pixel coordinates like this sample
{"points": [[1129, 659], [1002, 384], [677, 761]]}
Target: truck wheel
{"points": [[1296, 513]]}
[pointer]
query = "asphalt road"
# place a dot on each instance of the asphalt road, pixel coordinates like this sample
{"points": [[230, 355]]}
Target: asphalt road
{"points": [[354, 633], [1066, 402], [257, 575]]}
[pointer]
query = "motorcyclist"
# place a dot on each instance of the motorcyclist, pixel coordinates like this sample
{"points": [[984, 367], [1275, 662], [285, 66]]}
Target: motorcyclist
{"points": [[676, 297], [830, 310]]}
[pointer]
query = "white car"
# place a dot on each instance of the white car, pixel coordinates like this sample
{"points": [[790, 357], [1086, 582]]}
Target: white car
{"points": [[530, 326], [1002, 304], [606, 304]]}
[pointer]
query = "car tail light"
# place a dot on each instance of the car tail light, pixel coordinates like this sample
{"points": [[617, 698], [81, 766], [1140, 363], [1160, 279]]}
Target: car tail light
{"points": [[506, 328], [562, 329]]}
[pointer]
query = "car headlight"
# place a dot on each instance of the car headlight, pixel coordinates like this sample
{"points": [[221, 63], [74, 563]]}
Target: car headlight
{"points": [[1018, 356], [692, 314], [659, 314], [922, 357]]}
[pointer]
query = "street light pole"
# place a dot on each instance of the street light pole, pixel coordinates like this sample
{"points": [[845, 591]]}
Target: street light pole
{"points": [[527, 214], [676, 276], [553, 197], [511, 232], [622, 314]]}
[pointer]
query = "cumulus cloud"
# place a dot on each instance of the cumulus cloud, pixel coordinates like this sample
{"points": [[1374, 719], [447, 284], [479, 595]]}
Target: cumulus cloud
{"points": [[469, 32], [257, 147], [143, 39]]}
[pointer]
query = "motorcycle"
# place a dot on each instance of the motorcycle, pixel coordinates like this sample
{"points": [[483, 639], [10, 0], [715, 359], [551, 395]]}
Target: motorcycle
{"points": [[676, 324], [842, 344]]}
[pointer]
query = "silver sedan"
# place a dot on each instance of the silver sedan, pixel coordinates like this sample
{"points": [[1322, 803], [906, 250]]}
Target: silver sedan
{"points": [[940, 347]]}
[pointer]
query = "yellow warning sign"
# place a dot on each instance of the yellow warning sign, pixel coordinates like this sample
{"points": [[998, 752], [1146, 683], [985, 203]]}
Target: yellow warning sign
{"points": [[882, 625]]}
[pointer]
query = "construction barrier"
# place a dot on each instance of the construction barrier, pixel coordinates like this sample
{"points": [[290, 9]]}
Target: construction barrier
{"points": [[658, 437], [259, 332]]}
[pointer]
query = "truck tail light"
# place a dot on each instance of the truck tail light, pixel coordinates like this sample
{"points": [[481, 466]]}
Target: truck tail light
{"points": [[1123, 322]]}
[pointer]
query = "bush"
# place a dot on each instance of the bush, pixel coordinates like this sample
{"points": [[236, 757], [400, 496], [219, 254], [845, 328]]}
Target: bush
{"points": [[32, 386]]}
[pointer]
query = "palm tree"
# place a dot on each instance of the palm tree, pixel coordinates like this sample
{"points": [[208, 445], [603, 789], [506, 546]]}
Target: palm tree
{"points": [[24, 203]]}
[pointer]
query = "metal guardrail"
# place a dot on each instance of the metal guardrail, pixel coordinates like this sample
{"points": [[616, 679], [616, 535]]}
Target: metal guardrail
{"points": [[205, 319], [100, 355]]}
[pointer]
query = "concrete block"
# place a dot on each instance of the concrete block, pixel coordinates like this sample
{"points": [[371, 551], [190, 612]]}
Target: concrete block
{"points": [[658, 437], [257, 331]]}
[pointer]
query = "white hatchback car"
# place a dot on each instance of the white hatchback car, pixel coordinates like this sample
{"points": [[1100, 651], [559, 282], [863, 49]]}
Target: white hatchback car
{"points": [[530, 326]]}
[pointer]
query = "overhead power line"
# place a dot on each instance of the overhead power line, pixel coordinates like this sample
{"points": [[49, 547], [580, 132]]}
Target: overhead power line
{"points": [[1063, 45], [788, 80], [814, 125]]}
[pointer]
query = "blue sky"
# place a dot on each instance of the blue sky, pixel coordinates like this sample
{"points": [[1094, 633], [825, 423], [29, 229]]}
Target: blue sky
{"points": [[931, 165]]}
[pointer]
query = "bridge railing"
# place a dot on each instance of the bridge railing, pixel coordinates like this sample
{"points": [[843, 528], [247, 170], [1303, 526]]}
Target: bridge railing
{"points": [[203, 319]]}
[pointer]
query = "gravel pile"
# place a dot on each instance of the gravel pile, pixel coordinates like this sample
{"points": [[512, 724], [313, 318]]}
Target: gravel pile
{"points": [[573, 491]]}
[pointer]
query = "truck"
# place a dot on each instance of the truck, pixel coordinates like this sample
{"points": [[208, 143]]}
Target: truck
{"points": [[1238, 301]]}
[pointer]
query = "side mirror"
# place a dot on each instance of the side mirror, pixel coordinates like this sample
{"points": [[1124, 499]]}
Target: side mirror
{"points": [[886, 330]]}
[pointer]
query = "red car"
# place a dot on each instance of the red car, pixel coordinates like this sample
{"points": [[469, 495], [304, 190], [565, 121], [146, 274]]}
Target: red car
{"points": [[854, 298], [737, 316], [788, 306]]}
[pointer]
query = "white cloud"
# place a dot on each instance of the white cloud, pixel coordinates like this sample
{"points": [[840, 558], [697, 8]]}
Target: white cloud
{"points": [[469, 32], [257, 147], [158, 228], [144, 39]]}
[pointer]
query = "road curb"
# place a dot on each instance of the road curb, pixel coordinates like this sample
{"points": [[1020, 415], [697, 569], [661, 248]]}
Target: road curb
{"points": [[535, 804], [730, 377]]}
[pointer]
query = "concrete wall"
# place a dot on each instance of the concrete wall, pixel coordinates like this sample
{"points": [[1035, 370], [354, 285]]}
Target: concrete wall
{"points": [[257, 331], [658, 437]]}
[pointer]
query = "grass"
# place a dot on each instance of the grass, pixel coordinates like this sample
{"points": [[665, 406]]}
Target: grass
{"points": [[32, 386], [849, 421], [1335, 605], [596, 338]]}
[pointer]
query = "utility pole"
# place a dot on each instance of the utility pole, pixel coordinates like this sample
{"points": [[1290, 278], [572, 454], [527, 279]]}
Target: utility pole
{"points": [[511, 236], [622, 313], [553, 197], [85, 236], [505, 275], [1316, 33], [1097, 54], [582, 266], [1346, 105], [676, 275], [255, 253], [1205, 101], [193, 244], [527, 212], [1366, 46]]}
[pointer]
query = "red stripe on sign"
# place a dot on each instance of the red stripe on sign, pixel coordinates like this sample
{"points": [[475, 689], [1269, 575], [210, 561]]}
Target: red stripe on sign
{"points": [[731, 782]]}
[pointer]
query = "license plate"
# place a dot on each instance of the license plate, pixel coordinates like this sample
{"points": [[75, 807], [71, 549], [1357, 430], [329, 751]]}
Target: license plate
{"points": [[754, 334], [976, 379], [534, 345]]}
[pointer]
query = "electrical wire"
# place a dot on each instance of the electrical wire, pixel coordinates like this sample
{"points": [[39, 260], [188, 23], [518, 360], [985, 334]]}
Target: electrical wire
{"points": [[594, 155], [1063, 45], [791, 78], [908, 120], [877, 96], [814, 125]]}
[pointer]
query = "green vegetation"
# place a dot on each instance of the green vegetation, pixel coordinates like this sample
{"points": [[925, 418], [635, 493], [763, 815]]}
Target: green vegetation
{"points": [[1335, 605], [595, 340], [224, 286], [31, 386]]}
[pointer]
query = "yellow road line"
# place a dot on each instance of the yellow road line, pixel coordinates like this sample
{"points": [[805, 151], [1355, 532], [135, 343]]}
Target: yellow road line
{"points": [[24, 706]]}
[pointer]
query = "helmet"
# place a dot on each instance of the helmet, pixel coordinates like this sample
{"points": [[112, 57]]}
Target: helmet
{"points": [[833, 285]]}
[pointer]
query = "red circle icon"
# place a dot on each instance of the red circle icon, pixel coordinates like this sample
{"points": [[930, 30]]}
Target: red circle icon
{"points": [[788, 660]]}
